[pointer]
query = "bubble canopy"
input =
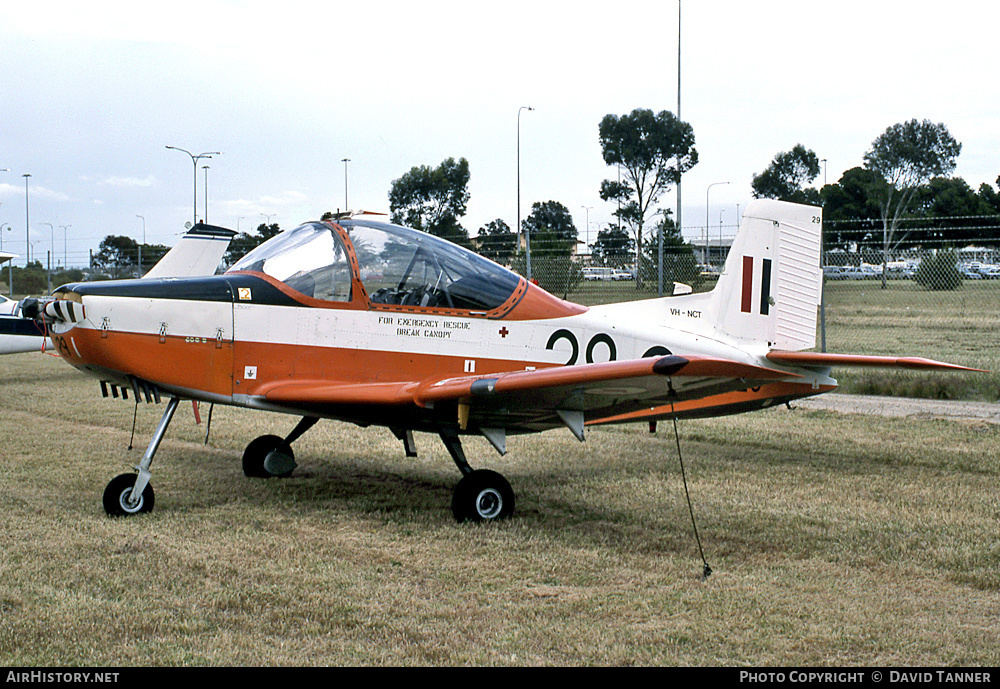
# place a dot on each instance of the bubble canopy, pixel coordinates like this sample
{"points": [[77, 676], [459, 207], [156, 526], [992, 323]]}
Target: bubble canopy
{"points": [[396, 265]]}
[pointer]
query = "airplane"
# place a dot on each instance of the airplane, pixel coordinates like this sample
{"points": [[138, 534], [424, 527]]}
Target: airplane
{"points": [[362, 321], [17, 334]]}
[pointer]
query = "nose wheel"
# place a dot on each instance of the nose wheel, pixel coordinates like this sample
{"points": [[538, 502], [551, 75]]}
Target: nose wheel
{"points": [[118, 500], [129, 494]]}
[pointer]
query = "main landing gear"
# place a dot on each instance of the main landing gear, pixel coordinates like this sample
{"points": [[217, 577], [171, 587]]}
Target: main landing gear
{"points": [[480, 496], [270, 456]]}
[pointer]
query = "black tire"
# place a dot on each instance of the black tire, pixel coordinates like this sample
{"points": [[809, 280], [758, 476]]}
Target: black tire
{"points": [[256, 453], [482, 496], [118, 492]]}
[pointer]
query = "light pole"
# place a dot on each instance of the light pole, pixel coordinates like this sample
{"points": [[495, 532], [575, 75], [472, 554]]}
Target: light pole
{"points": [[587, 233], [527, 235], [680, 224], [705, 260], [52, 237], [194, 162], [143, 242], [345, 161], [65, 229], [10, 266], [205, 168], [27, 222]]}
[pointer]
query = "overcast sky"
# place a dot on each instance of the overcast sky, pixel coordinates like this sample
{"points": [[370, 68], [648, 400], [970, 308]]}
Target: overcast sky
{"points": [[92, 93]]}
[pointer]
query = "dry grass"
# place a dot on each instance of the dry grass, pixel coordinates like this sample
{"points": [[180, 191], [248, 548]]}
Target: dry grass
{"points": [[835, 540]]}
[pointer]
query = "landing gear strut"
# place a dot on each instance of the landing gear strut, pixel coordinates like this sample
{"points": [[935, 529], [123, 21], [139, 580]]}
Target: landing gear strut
{"points": [[481, 495], [129, 494]]}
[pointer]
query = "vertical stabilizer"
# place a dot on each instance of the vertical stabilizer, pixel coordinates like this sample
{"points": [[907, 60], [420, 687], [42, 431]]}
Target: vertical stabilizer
{"points": [[197, 254], [772, 282]]}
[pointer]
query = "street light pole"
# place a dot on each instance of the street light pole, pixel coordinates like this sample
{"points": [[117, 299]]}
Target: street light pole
{"points": [[65, 229], [10, 266], [194, 162], [27, 222], [527, 235], [706, 217], [345, 161], [205, 168], [48, 272], [143, 242]]}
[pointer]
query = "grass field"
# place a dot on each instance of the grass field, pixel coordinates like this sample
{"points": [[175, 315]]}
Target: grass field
{"points": [[835, 540]]}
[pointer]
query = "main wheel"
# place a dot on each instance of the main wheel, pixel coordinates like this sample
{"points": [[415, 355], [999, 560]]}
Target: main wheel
{"points": [[256, 463], [118, 492], [482, 496]]}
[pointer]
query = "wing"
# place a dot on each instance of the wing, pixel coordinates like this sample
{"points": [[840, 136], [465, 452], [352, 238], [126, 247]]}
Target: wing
{"points": [[197, 254], [526, 401]]}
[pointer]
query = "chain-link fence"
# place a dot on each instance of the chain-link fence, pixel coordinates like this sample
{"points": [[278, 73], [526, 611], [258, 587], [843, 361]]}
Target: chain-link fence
{"points": [[932, 291]]}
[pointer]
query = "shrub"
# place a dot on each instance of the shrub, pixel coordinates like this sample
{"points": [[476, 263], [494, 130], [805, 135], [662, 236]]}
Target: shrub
{"points": [[939, 271]]}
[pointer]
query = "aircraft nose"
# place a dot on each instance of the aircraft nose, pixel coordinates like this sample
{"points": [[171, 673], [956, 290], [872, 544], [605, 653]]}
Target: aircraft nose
{"points": [[55, 311], [65, 311]]}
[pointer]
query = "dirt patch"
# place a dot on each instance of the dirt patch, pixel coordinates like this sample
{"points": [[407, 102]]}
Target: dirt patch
{"points": [[988, 412]]}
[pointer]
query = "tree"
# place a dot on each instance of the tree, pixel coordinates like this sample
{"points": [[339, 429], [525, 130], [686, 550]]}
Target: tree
{"points": [[551, 229], [245, 242], [497, 242], [651, 152], [433, 199], [614, 247], [905, 156], [989, 196], [786, 176], [952, 211], [117, 256], [850, 216]]}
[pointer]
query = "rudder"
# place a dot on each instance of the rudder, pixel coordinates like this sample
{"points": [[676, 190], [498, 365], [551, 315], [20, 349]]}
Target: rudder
{"points": [[772, 281]]}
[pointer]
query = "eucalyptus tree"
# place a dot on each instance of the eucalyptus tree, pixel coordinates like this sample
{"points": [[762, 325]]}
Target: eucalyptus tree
{"points": [[651, 152], [433, 199], [785, 178], [905, 157]]}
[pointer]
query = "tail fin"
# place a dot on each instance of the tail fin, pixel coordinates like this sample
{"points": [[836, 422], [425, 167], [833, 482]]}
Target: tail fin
{"points": [[772, 281], [197, 254]]}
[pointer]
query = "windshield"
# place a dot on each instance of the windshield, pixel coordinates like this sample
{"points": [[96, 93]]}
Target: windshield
{"points": [[402, 266], [309, 259]]}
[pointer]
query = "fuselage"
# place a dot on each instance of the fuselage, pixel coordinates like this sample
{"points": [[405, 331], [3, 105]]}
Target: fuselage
{"points": [[366, 314]]}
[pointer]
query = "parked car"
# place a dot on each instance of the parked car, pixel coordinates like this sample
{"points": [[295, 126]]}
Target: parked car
{"points": [[835, 273]]}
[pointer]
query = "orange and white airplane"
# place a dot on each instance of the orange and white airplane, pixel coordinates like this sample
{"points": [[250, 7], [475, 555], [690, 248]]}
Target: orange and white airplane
{"points": [[380, 325]]}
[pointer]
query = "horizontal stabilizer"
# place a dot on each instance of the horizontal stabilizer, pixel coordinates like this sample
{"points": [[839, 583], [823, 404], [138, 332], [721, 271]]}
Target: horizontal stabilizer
{"points": [[825, 360]]}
